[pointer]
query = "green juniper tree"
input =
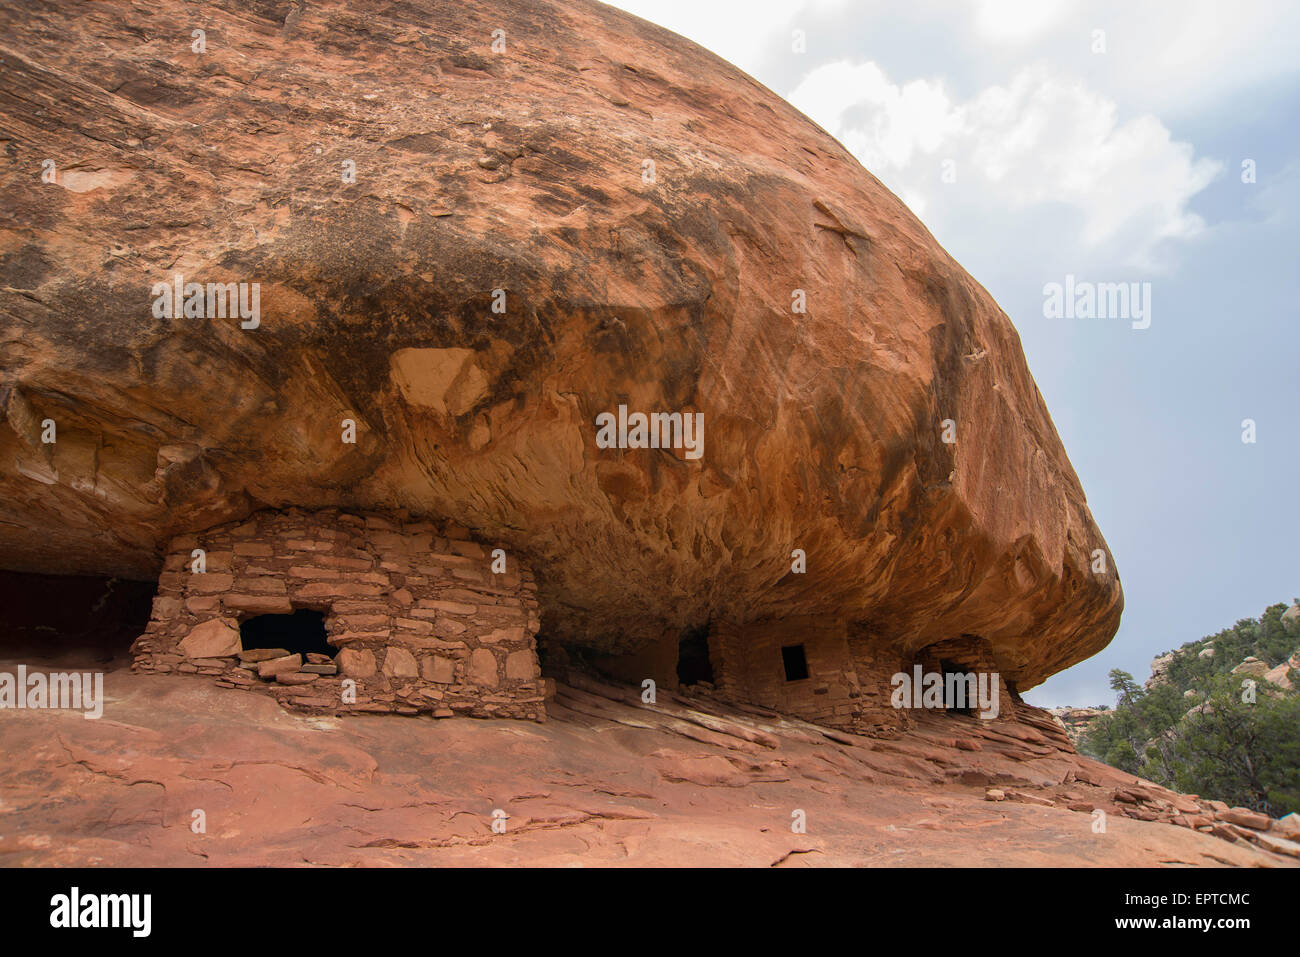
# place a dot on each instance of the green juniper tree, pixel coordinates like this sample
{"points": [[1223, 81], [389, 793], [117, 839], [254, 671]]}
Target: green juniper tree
{"points": [[1203, 729]]}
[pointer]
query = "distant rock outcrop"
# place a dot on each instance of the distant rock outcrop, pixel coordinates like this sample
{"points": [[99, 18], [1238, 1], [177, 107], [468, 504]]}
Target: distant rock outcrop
{"points": [[1281, 675], [1160, 669], [1252, 667], [1076, 721]]}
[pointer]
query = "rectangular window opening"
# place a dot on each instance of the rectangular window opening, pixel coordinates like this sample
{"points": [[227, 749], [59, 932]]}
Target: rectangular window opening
{"points": [[796, 663]]}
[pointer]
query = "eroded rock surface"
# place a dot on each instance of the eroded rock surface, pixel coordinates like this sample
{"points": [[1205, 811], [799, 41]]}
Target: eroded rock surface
{"points": [[526, 171], [607, 781]]}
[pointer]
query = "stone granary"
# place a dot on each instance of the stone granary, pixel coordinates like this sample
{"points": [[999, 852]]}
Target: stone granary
{"points": [[463, 255], [419, 619], [335, 611], [823, 669]]}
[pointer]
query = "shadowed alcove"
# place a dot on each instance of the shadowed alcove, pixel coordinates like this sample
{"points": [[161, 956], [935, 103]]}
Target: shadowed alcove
{"points": [[301, 633]]}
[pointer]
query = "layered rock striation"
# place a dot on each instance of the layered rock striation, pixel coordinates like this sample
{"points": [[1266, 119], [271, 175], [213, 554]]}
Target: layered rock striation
{"points": [[456, 235]]}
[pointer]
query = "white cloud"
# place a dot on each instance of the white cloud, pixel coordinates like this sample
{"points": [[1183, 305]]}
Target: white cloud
{"points": [[1177, 55], [736, 30], [1017, 20], [1167, 55], [884, 125], [1036, 141]]}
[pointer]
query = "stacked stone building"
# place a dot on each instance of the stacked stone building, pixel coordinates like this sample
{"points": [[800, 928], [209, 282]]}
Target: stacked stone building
{"points": [[416, 616]]}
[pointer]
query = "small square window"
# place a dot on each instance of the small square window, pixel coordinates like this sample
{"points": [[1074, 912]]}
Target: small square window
{"points": [[796, 664]]}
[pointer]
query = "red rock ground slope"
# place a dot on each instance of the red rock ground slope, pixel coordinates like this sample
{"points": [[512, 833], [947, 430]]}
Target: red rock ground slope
{"points": [[606, 781]]}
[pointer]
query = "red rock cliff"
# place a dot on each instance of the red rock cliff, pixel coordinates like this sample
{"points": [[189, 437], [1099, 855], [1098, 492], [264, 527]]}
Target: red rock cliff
{"points": [[526, 171]]}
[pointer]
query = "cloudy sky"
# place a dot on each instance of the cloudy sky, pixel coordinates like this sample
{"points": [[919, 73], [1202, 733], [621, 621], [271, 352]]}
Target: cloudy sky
{"points": [[1116, 157]]}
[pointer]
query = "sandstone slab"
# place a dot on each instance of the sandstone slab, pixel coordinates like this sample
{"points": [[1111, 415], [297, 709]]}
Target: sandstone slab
{"points": [[255, 655], [1244, 817], [356, 662], [295, 678], [277, 666], [214, 638]]}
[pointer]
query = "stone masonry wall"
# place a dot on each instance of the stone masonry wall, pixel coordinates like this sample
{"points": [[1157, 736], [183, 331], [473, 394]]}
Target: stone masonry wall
{"points": [[876, 661], [748, 668], [970, 654], [421, 621], [850, 671]]}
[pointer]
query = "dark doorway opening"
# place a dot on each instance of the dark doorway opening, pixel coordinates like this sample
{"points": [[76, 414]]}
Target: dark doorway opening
{"points": [[301, 633], [969, 700], [795, 661], [693, 664]]}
